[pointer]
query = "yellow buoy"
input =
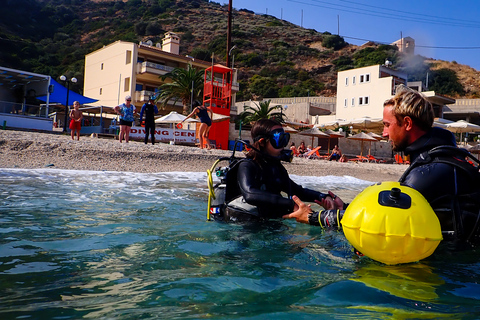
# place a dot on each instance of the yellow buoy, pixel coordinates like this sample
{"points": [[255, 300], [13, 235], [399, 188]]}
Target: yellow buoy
{"points": [[392, 223]]}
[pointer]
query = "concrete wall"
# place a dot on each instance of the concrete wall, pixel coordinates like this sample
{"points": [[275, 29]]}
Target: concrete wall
{"points": [[26, 122]]}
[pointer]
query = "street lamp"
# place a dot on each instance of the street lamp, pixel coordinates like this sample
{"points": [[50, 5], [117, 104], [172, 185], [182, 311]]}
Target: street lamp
{"points": [[64, 79], [230, 52]]}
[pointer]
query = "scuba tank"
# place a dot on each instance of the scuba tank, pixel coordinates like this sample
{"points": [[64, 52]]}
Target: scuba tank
{"points": [[218, 202], [224, 200]]}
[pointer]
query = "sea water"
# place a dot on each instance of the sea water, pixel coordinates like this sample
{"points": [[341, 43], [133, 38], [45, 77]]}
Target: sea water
{"points": [[117, 245]]}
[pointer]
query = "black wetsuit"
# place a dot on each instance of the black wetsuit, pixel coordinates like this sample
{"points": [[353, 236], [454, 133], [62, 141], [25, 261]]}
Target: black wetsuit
{"points": [[150, 112], [261, 185], [446, 187]]}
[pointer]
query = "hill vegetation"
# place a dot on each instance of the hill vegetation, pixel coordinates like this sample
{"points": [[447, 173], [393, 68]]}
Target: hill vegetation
{"points": [[275, 58]]}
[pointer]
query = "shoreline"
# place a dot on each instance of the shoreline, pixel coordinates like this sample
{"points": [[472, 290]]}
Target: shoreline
{"points": [[35, 150]]}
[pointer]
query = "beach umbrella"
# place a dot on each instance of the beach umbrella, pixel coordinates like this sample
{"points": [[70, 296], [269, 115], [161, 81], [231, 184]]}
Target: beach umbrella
{"points": [[363, 137], [314, 132], [374, 135], [174, 118], [333, 134], [363, 123], [462, 126], [330, 124], [217, 117], [439, 125], [289, 129]]}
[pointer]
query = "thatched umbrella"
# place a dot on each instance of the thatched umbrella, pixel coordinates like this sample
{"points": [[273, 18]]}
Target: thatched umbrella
{"points": [[363, 137], [314, 132]]}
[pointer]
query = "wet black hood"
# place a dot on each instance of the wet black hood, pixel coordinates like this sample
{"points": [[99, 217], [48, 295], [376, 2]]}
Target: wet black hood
{"points": [[433, 138]]}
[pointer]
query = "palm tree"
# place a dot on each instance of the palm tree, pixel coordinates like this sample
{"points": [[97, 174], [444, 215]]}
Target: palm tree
{"points": [[262, 110], [183, 80]]}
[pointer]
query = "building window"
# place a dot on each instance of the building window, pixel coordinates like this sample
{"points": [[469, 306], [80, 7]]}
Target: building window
{"points": [[101, 66], [353, 102], [346, 81], [126, 87], [353, 80], [101, 91], [138, 87], [345, 103], [129, 57], [365, 78], [363, 101]]}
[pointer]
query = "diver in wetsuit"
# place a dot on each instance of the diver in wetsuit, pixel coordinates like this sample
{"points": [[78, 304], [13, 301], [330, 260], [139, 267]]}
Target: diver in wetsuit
{"points": [[261, 177], [438, 170]]}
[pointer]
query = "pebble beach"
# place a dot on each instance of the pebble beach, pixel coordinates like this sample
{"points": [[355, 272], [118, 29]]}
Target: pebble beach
{"points": [[34, 150]]}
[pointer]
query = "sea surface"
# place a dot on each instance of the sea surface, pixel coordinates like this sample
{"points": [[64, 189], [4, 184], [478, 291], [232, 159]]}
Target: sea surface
{"points": [[117, 245]]}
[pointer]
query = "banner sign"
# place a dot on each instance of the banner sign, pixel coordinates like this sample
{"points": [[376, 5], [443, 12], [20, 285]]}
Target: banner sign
{"points": [[165, 134]]}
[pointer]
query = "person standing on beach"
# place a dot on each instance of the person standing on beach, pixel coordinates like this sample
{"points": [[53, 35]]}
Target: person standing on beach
{"points": [[150, 109], [438, 169], [205, 115], [76, 117], [126, 111]]}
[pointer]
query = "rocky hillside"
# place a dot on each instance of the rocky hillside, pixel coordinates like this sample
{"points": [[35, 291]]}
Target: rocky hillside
{"points": [[275, 58]]}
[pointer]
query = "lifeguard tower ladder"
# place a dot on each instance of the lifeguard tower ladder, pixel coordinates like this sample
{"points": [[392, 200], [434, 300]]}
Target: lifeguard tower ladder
{"points": [[217, 94]]}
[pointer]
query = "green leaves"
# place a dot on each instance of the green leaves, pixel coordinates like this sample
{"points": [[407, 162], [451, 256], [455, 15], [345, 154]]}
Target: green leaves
{"points": [[261, 111], [183, 81]]}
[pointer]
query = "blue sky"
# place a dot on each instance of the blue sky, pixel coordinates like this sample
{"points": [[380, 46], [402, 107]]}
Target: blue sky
{"points": [[442, 29]]}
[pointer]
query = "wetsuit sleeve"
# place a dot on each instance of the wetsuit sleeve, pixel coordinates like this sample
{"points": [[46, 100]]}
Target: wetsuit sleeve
{"points": [[141, 112], [250, 187], [307, 195], [327, 219]]}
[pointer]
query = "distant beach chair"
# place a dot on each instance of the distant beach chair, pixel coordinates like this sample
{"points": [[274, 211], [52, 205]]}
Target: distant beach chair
{"points": [[313, 154], [375, 160]]}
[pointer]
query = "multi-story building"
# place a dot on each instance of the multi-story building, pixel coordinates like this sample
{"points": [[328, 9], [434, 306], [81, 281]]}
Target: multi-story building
{"points": [[405, 45], [125, 68], [361, 92]]}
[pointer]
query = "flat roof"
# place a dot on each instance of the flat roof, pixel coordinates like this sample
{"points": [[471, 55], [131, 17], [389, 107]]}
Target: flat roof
{"points": [[12, 77]]}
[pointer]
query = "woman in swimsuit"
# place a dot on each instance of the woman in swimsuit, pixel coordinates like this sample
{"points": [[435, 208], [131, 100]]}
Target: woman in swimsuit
{"points": [[205, 115]]}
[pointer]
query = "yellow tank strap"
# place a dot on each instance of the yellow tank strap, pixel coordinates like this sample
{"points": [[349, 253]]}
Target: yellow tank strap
{"points": [[211, 192]]}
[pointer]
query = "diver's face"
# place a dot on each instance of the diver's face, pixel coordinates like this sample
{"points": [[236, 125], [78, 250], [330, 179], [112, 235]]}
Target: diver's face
{"points": [[269, 148], [393, 131]]}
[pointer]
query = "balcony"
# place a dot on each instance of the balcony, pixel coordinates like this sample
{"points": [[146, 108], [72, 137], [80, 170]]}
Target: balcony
{"points": [[154, 68], [143, 95]]}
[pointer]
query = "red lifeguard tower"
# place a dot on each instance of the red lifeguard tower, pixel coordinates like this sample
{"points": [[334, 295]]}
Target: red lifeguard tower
{"points": [[217, 94]]}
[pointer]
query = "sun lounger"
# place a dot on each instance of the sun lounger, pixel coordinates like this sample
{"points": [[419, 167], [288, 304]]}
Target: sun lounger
{"points": [[313, 154], [375, 160]]}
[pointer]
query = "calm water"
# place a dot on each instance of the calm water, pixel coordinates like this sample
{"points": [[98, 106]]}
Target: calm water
{"points": [[107, 245]]}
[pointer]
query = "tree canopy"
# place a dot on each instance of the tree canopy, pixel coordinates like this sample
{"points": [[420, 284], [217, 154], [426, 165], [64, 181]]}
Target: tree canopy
{"points": [[186, 85]]}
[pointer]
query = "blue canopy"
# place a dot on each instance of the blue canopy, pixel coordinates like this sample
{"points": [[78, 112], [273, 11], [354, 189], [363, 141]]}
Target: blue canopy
{"points": [[59, 95]]}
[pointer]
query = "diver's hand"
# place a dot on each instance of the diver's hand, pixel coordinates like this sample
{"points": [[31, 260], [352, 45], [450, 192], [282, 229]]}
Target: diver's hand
{"points": [[331, 202], [301, 211]]}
